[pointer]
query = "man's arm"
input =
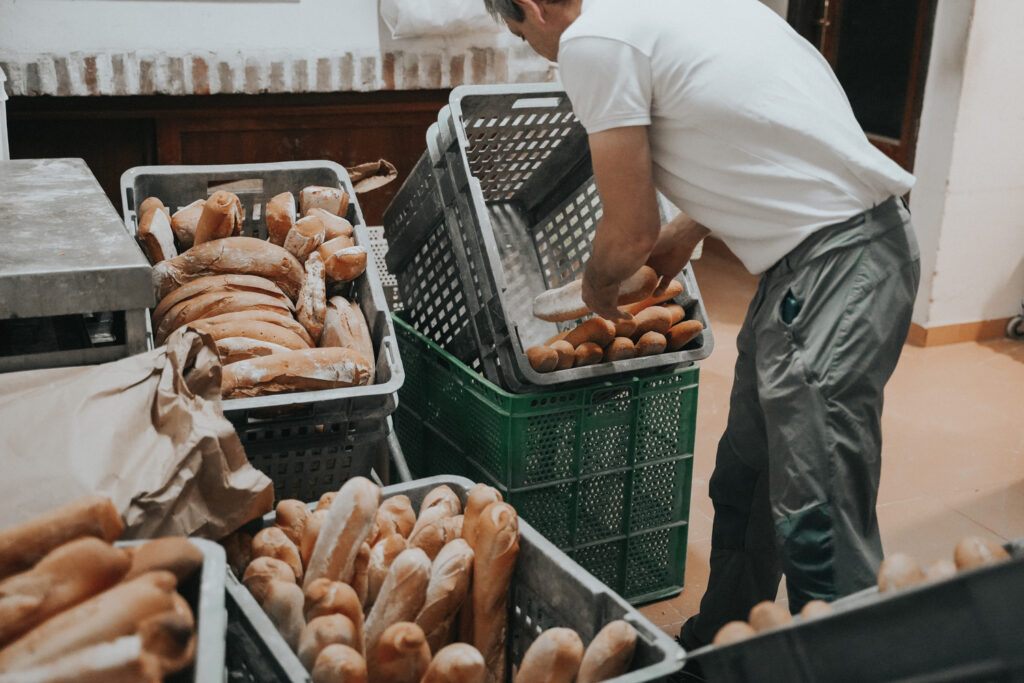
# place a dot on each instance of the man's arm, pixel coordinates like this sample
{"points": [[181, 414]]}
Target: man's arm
{"points": [[629, 229], [675, 245]]}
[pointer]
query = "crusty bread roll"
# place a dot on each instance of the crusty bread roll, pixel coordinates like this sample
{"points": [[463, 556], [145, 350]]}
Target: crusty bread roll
{"points": [[676, 311], [429, 533], [171, 636], [975, 551], [382, 555], [24, 544], [334, 226], [218, 283], [176, 554], [111, 614], [620, 348], [290, 516], [311, 310], [184, 222], [651, 344], [625, 327], [332, 199], [819, 608], [609, 653], [360, 579], [447, 590], [346, 326], [322, 631], [767, 615], [495, 547], [566, 354], [441, 496], [342, 264], [238, 549], [283, 603], [400, 599], [672, 290], [156, 236], [216, 303], [246, 255], [305, 369], [339, 664], [394, 516], [255, 325], [939, 570], [121, 660], [733, 632], [273, 542], [325, 501], [402, 654], [588, 353], [311, 533], [150, 203], [595, 330], [566, 302], [221, 217], [346, 526], [556, 337], [542, 358], [261, 571], [65, 577], [652, 319], [554, 657], [456, 663], [453, 528], [281, 216], [681, 334], [305, 237], [324, 597], [477, 500]]}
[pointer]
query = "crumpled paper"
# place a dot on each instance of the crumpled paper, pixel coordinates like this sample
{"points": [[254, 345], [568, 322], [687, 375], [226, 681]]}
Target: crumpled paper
{"points": [[371, 175], [147, 431]]}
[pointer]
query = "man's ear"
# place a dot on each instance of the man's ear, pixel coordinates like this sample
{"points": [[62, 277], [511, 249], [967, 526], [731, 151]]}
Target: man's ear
{"points": [[534, 9]]}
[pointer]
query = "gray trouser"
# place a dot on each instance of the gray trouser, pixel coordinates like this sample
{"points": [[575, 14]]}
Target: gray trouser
{"points": [[797, 471]]}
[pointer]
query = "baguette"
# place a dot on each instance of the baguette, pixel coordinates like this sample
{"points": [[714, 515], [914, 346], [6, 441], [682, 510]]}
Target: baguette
{"points": [[557, 337], [65, 577], [121, 660], [588, 353], [429, 535], [156, 236], [446, 591], [283, 603], [402, 654], [453, 527], [621, 348], [441, 496], [676, 311], [395, 516], [281, 217], [331, 199], [113, 613], [554, 657], [218, 283], [273, 542], [171, 636], [479, 497], [542, 358], [246, 255], [235, 349], [175, 554], [382, 555], [495, 547], [682, 334], [339, 664], [566, 354], [672, 290], [566, 302], [24, 544], [305, 369], [258, 325], [652, 319], [216, 303], [325, 500], [312, 304], [651, 344], [400, 599], [305, 237], [221, 217], [609, 653], [324, 597], [184, 222], [596, 330], [261, 571], [334, 226], [345, 326], [311, 533], [345, 527], [456, 663], [329, 629], [625, 327], [360, 580], [342, 264], [290, 517]]}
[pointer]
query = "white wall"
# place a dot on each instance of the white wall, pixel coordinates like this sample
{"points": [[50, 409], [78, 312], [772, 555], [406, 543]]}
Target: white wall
{"points": [[969, 202]]}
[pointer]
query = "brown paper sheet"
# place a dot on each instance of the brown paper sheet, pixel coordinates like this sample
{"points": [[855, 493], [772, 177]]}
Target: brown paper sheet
{"points": [[371, 175], [147, 431]]}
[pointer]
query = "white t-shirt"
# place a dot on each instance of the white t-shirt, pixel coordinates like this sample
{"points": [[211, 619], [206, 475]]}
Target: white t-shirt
{"points": [[751, 133]]}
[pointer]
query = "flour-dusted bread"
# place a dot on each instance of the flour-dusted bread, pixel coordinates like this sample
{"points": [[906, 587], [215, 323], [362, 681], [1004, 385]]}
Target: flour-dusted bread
{"points": [[156, 236], [566, 302], [241, 324], [215, 303], [334, 226], [302, 370], [331, 199], [184, 222], [312, 304], [221, 217], [305, 237], [281, 216], [346, 326], [553, 657], [346, 526], [609, 653]]}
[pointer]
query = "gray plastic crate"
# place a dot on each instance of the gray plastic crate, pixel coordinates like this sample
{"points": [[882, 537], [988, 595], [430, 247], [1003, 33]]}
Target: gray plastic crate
{"points": [[548, 589], [966, 628], [308, 442], [520, 206]]}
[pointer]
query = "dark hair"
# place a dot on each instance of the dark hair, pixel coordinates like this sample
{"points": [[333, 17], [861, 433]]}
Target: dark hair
{"points": [[504, 9]]}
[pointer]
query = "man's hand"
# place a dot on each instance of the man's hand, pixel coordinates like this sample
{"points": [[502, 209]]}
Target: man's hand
{"points": [[676, 242], [602, 296]]}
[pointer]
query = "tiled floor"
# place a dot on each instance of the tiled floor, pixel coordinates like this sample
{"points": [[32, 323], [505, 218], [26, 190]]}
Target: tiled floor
{"points": [[953, 440]]}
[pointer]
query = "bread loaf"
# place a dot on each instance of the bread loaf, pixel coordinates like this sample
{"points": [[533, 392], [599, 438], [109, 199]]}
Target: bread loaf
{"points": [[150, 203], [554, 657], [456, 663], [305, 237], [566, 354], [609, 653], [625, 327], [542, 358], [402, 654], [65, 577], [175, 554], [556, 337], [360, 579], [342, 264], [345, 326], [312, 304], [24, 544], [238, 549], [325, 501], [651, 344], [477, 500], [394, 516], [156, 236], [676, 312], [121, 660], [673, 289], [400, 599], [447, 590], [218, 283], [595, 330], [283, 603], [184, 222], [216, 303], [330, 199], [344, 529], [621, 348], [111, 614], [246, 255], [290, 517], [495, 547], [339, 664], [453, 528], [324, 597], [171, 636], [273, 542], [588, 353], [680, 335], [382, 555], [767, 615], [652, 319], [257, 325], [566, 302], [306, 369], [334, 226], [261, 571], [322, 631], [429, 535], [311, 533], [281, 217], [443, 497], [221, 217]]}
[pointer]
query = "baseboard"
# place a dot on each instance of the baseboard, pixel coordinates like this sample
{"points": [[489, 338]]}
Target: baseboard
{"points": [[956, 334]]}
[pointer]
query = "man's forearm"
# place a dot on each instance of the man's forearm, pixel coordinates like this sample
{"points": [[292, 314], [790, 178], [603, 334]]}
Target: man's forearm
{"points": [[619, 250]]}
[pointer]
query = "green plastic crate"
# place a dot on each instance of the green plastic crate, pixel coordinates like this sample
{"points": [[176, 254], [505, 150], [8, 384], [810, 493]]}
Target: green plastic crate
{"points": [[603, 471]]}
